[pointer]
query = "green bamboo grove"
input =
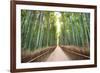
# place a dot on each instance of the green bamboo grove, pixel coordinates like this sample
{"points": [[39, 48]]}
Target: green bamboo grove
{"points": [[75, 29], [41, 29], [38, 29]]}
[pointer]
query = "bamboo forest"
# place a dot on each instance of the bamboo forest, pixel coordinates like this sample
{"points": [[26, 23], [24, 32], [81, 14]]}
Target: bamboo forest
{"points": [[54, 36]]}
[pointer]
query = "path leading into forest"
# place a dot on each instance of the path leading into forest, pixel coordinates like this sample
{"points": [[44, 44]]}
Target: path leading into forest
{"points": [[58, 55]]}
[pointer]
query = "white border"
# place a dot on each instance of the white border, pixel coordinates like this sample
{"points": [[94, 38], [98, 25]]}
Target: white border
{"points": [[20, 65]]}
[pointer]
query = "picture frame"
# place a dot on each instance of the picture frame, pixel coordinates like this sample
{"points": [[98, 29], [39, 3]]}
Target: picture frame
{"points": [[16, 9]]}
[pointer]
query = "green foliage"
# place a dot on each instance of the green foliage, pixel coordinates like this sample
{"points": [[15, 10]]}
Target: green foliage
{"points": [[75, 29], [38, 29]]}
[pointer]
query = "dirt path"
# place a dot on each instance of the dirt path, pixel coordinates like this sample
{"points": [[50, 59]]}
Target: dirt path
{"points": [[58, 55]]}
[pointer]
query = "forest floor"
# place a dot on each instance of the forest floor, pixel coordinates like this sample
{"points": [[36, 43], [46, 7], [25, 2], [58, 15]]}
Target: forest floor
{"points": [[67, 53], [58, 55]]}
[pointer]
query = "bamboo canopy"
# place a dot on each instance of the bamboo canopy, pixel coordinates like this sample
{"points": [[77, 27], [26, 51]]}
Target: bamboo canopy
{"points": [[41, 29]]}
